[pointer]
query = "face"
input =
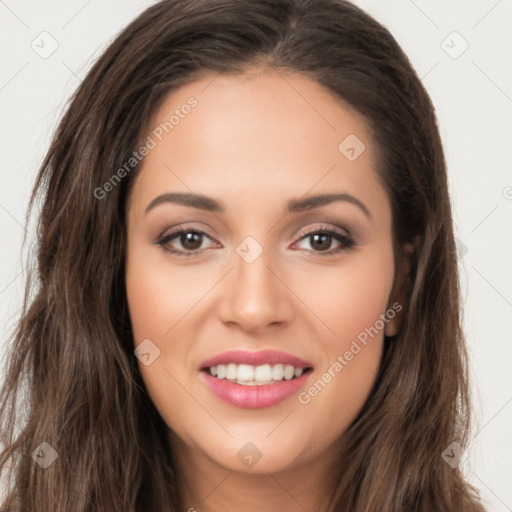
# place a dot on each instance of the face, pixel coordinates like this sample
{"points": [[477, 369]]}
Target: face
{"points": [[300, 290]]}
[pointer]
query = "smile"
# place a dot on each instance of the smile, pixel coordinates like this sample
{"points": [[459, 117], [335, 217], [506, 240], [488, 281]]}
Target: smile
{"points": [[253, 380], [248, 375]]}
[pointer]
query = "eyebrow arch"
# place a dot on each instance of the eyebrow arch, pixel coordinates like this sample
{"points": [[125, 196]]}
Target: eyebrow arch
{"points": [[310, 202], [294, 205]]}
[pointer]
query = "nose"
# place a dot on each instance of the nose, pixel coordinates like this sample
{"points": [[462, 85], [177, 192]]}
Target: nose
{"points": [[255, 297]]}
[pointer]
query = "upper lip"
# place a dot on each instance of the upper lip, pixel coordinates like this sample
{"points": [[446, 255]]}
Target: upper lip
{"points": [[255, 359]]}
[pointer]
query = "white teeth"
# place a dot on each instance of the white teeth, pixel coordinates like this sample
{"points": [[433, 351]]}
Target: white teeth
{"points": [[245, 372], [221, 371], [247, 382], [231, 371], [278, 372], [288, 372], [254, 382], [263, 372], [249, 375]]}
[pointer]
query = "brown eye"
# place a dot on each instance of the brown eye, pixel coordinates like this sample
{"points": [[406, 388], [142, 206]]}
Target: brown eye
{"points": [[191, 240], [187, 240], [321, 240]]}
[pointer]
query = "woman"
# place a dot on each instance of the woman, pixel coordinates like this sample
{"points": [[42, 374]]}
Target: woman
{"points": [[305, 351]]}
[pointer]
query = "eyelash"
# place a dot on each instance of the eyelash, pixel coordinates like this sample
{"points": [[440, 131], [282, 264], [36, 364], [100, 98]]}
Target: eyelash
{"points": [[346, 241]]}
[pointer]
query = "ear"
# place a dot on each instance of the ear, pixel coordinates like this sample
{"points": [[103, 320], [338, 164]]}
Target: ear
{"points": [[399, 292]]}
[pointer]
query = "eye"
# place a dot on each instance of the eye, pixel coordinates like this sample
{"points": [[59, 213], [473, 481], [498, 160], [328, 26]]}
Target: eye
{"points": [[321, 239], [190, 239]]}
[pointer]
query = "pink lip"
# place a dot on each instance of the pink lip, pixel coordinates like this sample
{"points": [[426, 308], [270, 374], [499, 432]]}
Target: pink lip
{"points": [[255, 359], [253, 397]]}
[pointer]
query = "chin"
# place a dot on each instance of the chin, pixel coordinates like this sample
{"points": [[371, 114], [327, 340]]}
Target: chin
{"points": [[259, 455]]}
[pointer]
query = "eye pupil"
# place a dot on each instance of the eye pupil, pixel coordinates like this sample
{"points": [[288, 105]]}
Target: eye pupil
{"points": [[322, 246], [188, 242]]}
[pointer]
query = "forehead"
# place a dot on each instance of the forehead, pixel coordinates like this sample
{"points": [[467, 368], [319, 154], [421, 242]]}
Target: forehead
{"points": [[264, 134]]}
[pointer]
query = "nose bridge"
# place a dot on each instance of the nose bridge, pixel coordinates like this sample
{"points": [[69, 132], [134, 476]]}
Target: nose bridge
{"points": [[256, 297], [254, 280]]}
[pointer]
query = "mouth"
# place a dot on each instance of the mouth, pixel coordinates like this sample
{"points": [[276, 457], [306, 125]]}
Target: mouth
{"points": [[249, 375], [253, 380]]}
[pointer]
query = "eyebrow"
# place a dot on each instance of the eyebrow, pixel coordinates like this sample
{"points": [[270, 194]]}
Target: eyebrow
{"points": [[294, 205]]}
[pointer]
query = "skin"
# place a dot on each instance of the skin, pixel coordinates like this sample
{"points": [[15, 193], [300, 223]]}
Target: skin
{"points": [[253, 142]]}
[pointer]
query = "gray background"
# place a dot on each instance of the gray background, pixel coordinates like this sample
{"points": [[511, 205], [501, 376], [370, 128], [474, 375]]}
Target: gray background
{"points": [[472, 92]]}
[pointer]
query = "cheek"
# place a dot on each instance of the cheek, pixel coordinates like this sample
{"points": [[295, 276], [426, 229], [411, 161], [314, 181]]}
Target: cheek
{"points": [[157, 309], [160, 295], [149, 303], [351, 297], [156, 303], [350, 301]]}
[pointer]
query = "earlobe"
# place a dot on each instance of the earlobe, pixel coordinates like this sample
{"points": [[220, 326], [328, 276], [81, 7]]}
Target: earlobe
{"points": [[393, 325], [399, 295], [391, 328]]}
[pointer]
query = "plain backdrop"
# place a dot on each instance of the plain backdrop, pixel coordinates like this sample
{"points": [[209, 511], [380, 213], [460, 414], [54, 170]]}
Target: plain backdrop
{"points": [[460, 49]]}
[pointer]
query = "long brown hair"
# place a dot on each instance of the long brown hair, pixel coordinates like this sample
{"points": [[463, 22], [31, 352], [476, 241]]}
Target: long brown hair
{"points": [[71, 357]]}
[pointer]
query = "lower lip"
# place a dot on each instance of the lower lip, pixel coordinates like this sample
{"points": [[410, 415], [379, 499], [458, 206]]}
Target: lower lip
{"points": [[254, 397]]}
